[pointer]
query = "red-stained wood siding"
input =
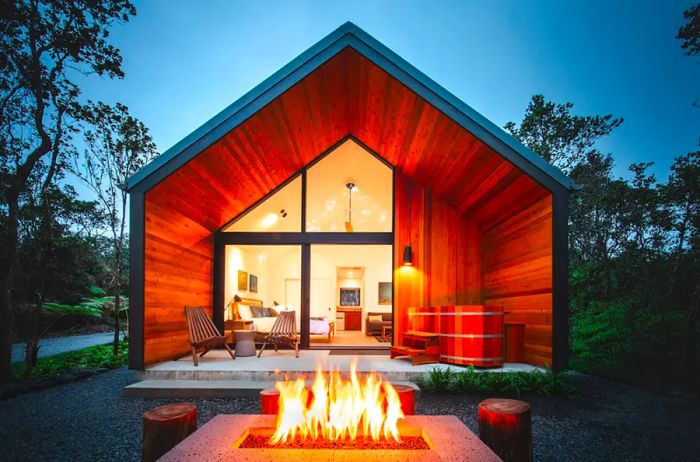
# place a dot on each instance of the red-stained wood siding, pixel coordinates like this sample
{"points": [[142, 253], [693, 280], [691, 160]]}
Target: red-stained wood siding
{"points": [[517, 272], [460, 191], [446, 262]]}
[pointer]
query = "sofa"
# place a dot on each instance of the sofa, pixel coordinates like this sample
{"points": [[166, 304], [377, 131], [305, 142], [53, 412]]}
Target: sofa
{"points": [[375, 327]]}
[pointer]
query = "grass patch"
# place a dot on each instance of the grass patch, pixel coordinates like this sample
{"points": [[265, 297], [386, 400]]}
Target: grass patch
{"points": [[94, 357], [501, 383]]}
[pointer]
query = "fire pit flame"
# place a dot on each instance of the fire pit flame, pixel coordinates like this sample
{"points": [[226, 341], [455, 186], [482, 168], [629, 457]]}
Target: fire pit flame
{"points": [[335, 408]]}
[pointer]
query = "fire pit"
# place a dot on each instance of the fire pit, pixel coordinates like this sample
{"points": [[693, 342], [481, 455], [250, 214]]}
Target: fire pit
{"points": [[336, 418]]}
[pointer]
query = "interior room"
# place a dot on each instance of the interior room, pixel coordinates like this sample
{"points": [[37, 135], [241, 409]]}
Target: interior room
{"points": [[350, 285], [350, 297]]}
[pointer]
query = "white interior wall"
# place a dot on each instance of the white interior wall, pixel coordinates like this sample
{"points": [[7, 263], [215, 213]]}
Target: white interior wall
{"points": [[244, 258], [275, 264]]}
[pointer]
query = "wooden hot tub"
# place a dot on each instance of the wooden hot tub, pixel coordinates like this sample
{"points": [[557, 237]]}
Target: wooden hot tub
{"points": [[469, 334]]}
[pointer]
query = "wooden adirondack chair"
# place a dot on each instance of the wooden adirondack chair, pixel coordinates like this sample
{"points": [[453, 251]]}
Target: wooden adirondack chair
{"points": [[284, 330], [203, 333]]}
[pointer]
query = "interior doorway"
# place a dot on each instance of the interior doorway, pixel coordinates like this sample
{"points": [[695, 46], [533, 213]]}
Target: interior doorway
{"points": [[349, 287]]}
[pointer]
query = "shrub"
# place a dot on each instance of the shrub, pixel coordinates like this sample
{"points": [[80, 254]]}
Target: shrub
{"points": [[470, 380], [94, 357]]}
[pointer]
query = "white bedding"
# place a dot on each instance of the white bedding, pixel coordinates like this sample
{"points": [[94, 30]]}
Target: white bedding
{"points": [[317, 326]]}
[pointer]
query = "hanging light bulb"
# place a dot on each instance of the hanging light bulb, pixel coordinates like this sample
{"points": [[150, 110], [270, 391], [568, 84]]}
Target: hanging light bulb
{"points": [[348, 224]]}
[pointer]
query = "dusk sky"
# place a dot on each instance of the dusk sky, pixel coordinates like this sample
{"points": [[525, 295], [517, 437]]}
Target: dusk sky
{"points": [[185, 60]]}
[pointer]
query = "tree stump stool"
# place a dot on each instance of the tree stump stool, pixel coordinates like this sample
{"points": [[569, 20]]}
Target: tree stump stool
{"points": [[269, 401], [164, 427], [407, 397], [505, 426]]}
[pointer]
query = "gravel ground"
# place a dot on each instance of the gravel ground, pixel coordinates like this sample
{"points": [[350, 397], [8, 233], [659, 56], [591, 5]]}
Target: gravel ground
{"points": [[52, 346], [90, 421]]}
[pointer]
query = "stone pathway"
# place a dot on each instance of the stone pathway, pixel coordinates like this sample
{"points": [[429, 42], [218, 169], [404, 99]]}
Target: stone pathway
{"points": [[52, 346]]}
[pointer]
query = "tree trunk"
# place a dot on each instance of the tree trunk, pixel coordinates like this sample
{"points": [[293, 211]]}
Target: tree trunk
{"points": [[117, 296], [31, 349], [505, 426], [6, 283], [164, 427]]}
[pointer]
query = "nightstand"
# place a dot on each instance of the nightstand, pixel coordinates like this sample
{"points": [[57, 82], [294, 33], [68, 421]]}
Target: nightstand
{"points": [[239, 324]]}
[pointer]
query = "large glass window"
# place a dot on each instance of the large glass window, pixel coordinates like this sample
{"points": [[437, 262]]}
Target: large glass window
{"points": [[262, 276], [281, 212], [349, 190]]}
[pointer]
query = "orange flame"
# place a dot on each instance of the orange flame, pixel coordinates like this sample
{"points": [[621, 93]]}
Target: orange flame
{"points": [[336, 408]]}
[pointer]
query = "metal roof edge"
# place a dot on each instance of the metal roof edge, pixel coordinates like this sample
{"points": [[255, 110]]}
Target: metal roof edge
{"points": [[355, 33]]}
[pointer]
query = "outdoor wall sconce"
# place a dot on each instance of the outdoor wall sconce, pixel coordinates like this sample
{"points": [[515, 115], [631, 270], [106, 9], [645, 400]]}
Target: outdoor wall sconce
{"points": [[407, 256]]}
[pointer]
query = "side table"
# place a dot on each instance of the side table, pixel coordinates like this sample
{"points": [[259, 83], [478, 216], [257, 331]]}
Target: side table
{"points": [[245, 342]]}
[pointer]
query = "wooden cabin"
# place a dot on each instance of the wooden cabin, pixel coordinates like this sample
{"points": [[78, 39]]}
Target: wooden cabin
{"points": [[466, 214]]}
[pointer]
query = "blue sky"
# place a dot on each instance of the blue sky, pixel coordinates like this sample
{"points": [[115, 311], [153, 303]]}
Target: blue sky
{"points": [[187, 60]]}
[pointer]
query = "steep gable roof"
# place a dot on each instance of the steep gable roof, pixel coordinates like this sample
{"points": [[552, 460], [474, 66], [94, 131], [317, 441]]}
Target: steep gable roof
{"points": [[348, 36]]}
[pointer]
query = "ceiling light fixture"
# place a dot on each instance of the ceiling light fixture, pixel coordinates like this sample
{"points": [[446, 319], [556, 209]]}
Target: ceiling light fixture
{"points": [[348, 224]]}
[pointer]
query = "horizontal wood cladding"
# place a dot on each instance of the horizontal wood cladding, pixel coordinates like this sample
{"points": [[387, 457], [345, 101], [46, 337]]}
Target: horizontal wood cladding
{"points": [[472, 218], [446, 261], [517, 271], [178, 272]]}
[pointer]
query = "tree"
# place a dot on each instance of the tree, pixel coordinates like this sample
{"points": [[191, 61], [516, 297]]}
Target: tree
{"points": [[690, 33], [118, 145], [44, 43], [560, 138], [59, 261]]}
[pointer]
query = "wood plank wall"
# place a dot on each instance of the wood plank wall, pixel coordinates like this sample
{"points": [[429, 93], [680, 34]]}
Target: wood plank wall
{"points": [[461, 193], [178, 272], [446, 260], [517, 274]]}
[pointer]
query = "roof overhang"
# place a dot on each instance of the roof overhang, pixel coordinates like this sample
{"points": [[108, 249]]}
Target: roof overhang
{"points": [[349, 36]]}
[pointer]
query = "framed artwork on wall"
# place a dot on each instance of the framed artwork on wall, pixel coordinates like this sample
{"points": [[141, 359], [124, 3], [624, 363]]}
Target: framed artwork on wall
{"points": [[253, 286], [242, 280], [386, 293]]}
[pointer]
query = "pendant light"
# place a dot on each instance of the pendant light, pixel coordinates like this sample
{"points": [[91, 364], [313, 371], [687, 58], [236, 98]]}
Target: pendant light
{"points": [[348, 224]]}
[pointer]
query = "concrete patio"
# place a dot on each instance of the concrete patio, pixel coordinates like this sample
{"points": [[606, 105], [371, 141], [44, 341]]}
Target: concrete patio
{"points": [[219, 376]]}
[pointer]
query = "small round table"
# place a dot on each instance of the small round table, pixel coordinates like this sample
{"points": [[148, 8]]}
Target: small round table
{"points": [[245, 342]]}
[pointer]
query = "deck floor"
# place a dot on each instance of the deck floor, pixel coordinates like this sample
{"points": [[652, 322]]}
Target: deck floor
{"points": [[217, 365]]}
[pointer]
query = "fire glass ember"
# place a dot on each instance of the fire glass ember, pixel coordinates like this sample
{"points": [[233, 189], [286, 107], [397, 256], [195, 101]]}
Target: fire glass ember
{"points": [[335, 411]]}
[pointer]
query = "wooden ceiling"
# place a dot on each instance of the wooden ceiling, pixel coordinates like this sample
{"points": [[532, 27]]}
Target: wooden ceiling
{"points": [[346, 96]]}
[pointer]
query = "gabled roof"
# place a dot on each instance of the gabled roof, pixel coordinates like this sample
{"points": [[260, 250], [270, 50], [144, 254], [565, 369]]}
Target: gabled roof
{"points": [[348, 35]]}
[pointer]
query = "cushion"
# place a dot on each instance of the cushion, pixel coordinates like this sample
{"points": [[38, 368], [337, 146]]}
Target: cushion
{"points": [[258, 311], [375, 318], [244, 312]]}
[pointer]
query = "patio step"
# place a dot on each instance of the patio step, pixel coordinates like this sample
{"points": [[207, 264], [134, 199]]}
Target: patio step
{"points": [[174, 388]]}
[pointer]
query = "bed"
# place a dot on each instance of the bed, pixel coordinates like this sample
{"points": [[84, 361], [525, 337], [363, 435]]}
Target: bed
{"points": [[242, 311]]}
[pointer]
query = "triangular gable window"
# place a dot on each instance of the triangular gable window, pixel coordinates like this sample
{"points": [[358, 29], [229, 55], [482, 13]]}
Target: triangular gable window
{"points": [[280, 212]]}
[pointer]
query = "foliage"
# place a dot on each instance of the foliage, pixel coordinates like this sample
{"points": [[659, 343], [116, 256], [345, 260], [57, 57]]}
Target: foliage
{"points": [[44, 46], [690, 33], [118, 145], [470, 380], [634, 249], [94, 357], [438, 379], [561, 138]]}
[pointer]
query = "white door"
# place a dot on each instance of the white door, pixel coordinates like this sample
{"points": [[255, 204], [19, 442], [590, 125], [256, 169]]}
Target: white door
{"points": [[322, 300]]}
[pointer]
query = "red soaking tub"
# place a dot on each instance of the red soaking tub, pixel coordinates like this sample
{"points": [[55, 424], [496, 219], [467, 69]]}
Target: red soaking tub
{"points": [[469, 334]]}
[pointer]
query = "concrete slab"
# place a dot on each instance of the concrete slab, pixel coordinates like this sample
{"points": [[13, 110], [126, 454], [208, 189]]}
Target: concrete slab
{"points": [[208, 388], [218, 440], [217, 365]]}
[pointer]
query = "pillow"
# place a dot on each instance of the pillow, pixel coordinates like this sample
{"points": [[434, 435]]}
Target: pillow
{"points": [[244, 312], [258, 311], [273, 312], [375, 318]]}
